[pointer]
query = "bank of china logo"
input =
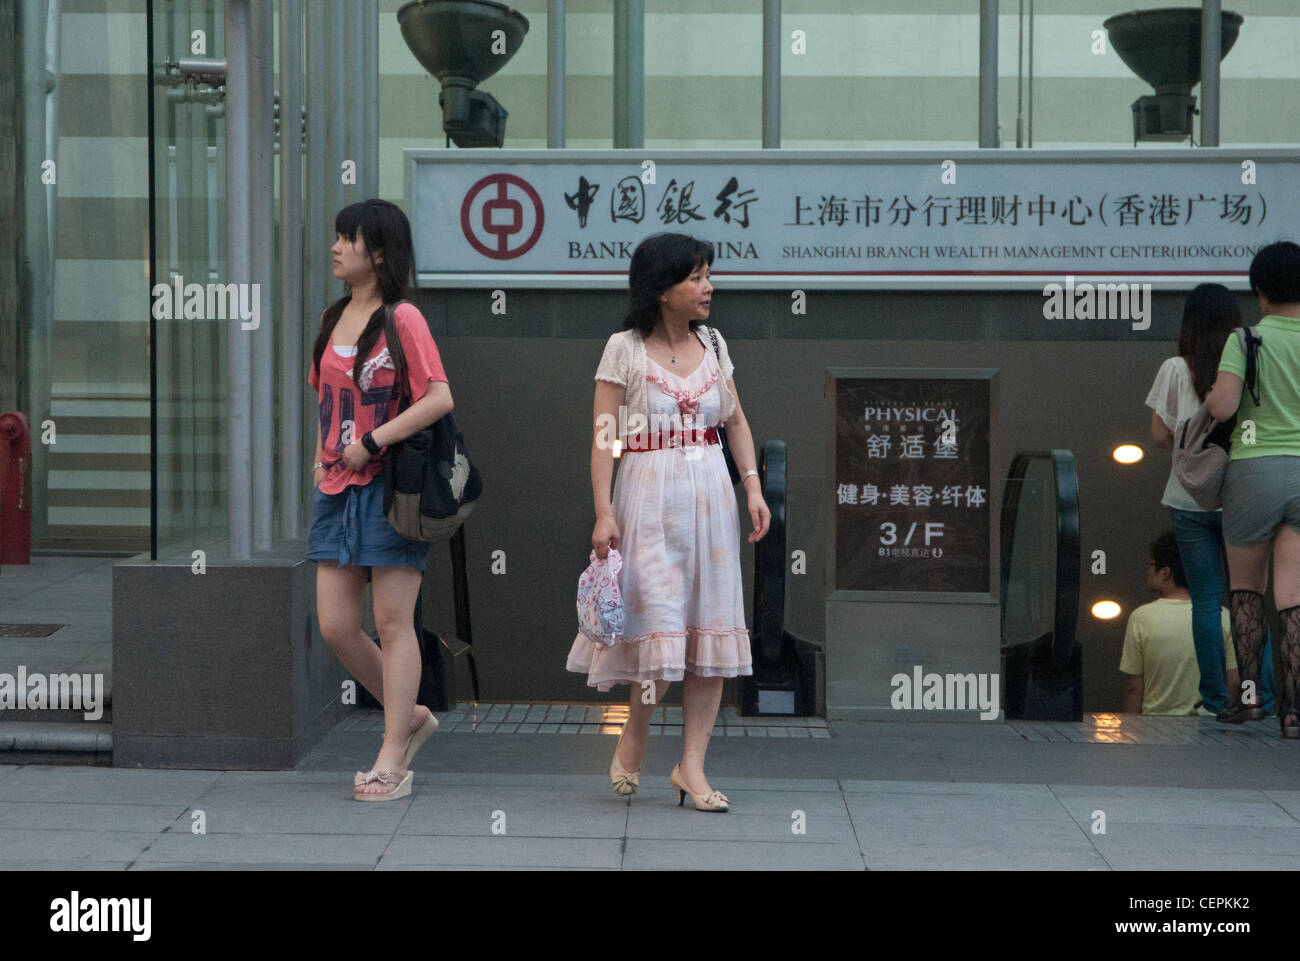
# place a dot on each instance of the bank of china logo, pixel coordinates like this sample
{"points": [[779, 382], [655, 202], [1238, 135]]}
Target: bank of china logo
{"points": [[502, 216]]}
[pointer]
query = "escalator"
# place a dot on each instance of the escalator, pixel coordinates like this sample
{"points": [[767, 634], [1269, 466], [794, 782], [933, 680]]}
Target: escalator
{"points": [[1043, 660]]}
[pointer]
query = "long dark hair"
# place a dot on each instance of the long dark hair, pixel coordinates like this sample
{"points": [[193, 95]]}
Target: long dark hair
{"points": [[659, 262], [384, 228], [1209, 316]]}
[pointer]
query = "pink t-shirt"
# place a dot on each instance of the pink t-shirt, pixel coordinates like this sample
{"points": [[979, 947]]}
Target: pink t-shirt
{"points": [[348, 410]]}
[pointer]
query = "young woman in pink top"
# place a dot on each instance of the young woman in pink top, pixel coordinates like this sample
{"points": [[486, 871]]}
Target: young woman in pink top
{"points": [[357, 382]]}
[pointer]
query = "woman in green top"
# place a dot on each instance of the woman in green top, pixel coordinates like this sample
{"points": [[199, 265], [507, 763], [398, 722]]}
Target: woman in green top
{"points": [[1261, 489]]}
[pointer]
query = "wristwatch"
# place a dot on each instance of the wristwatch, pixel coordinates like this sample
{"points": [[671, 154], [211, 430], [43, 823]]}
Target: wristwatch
{"points": [[368, 443]]}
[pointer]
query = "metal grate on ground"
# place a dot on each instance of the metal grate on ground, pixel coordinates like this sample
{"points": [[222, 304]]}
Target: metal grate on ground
{"points": [[1140, 729], [502, 718]]}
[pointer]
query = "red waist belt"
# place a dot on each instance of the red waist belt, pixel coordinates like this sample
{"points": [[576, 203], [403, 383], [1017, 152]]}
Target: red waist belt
{"points": [[668, 439]]}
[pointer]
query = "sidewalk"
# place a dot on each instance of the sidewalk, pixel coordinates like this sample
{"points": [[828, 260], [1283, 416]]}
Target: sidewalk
{"points": [[1175, 793]]}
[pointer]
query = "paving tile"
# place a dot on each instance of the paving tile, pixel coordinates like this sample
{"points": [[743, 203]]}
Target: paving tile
{"points": [[467, 818], [72, 847], [504, 852], [1230, 795], [775, 803], [1079, 856], [1178, 811], [1145, 857], [644, 854], [975, 788], [727, 784], [135, 818], [686, 824], [1218, 846], [953, 808], [285, 849], [884, 832], [37, 865], [577, 783], [78, 785], [307, 809], [485, 867], [241, 866]]}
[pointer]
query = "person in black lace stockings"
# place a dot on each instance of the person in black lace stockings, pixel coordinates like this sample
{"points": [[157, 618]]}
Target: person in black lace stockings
{"points": [[1261, 487]]}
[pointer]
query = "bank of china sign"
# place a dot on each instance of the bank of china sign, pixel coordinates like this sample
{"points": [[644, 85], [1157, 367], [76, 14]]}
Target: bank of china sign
{"points": [[995, 218]]}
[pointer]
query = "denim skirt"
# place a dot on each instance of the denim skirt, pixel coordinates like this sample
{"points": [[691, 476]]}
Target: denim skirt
{"points": [[350, 527]]}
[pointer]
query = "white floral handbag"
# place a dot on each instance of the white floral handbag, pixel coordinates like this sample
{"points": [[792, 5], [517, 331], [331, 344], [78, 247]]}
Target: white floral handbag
{"points": [[600, 603]]}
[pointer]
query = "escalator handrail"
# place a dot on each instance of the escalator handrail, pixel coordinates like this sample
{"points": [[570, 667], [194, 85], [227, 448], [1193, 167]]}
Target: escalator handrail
{"points": [[1066, 487], [770, 559]]}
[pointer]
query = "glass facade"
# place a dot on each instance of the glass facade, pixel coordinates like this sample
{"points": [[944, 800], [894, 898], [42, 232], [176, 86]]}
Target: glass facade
{"points": [[139, 426], [189, 356]]}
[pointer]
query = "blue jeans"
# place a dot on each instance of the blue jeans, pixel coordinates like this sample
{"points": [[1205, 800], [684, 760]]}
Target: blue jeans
{"points": [[1200, 545]]}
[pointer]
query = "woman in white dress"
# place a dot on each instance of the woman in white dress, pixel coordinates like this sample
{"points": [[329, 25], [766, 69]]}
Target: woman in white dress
{"points": [[673, 512]]}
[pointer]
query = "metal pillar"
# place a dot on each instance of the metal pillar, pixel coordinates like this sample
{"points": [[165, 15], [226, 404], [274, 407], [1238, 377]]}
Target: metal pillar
{"points": [[316, 228], [336, 77], [290, 314], [1030, 85], [239, 261], [555, 22], [1211, 52], [988, 132], [261, 84], [370, 102], [357, 68], [37, 269], [771, 73], [629, 73]]}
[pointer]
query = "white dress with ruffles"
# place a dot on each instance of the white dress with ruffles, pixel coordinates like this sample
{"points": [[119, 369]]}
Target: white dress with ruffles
{"points": [[679, 534]]}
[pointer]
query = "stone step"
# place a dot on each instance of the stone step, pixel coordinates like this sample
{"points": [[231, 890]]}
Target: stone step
{"points": [[55, 742], [55, 717]]}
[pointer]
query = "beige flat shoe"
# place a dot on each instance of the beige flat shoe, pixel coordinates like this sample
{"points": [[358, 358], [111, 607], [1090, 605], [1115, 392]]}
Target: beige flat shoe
{"points": [[402, 779], [716, 801]]}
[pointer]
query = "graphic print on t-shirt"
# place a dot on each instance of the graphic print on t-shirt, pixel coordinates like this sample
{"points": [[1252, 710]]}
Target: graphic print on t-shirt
{"points": [[345, 417]]}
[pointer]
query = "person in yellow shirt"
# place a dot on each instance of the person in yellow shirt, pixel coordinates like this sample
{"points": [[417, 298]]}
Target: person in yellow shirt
{"points": [[1159, 654]]}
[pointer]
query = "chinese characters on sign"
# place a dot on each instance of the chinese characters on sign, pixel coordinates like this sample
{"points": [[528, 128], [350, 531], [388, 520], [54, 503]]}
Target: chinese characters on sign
{"points": [[911, 500], [850, 220]]}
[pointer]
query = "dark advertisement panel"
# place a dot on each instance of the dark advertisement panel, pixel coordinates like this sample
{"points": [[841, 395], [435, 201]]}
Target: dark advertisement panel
{"points": [[911, 484]]}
